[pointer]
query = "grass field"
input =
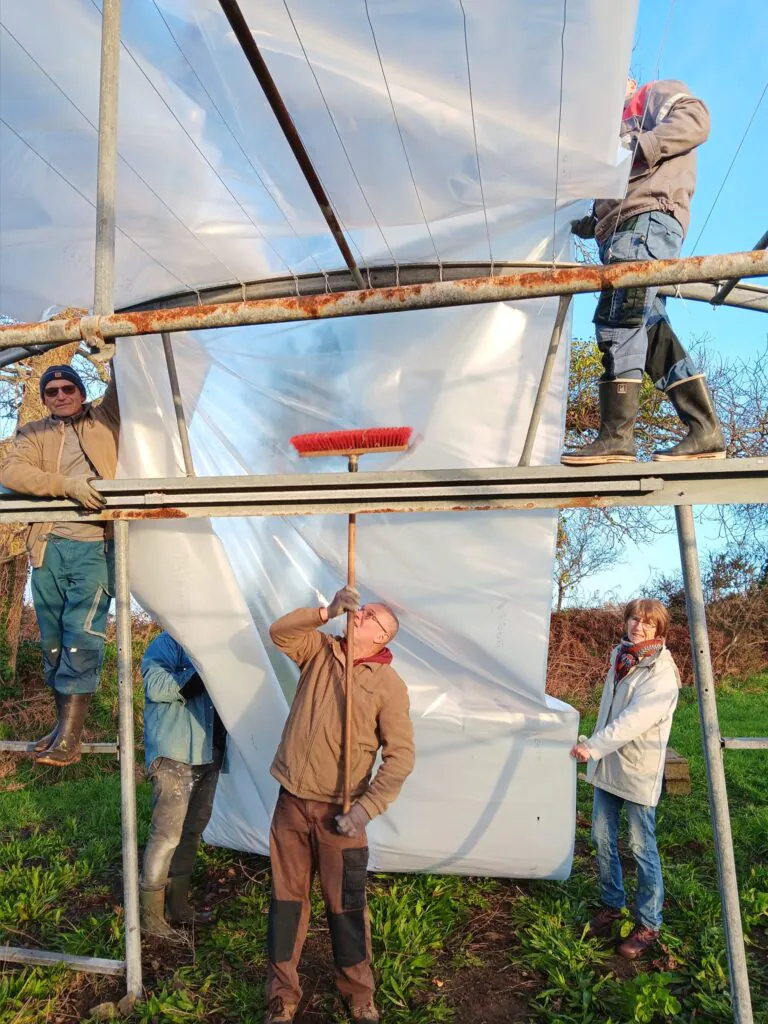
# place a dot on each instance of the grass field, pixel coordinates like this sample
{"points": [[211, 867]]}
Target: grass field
{"points": [[474, 951]]}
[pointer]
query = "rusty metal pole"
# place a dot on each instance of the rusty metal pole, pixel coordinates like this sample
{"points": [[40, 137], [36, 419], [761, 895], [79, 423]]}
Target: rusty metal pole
{"points": [[546, 377], [248, 45], [438, 294], [722, 293], [106, 174], [713, 759]]}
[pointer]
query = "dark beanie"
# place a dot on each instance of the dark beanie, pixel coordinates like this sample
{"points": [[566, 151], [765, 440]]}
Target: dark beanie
{"points": [[63, 372]]}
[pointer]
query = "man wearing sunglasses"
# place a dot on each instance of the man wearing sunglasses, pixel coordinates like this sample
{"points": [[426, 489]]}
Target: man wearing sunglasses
{"points": [[309, 833], [72, 563]]}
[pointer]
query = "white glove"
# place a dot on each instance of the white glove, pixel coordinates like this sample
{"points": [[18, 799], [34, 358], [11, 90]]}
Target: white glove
{"points": [[345, 600]]}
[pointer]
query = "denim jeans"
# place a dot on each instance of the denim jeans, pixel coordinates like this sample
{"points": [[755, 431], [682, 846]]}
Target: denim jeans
{"points": [[642, 842], [72, 591], [182, 801], [624, 315]]}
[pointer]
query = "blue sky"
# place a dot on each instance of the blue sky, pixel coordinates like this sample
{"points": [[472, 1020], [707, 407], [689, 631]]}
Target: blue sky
{"points": [[719, 51]]}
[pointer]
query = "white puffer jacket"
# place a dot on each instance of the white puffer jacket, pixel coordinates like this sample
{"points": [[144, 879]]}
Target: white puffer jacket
{"points": [[629, 743]]}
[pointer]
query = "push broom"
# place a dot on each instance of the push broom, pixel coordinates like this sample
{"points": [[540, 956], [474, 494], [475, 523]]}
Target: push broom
{"points": [[351, 444]]}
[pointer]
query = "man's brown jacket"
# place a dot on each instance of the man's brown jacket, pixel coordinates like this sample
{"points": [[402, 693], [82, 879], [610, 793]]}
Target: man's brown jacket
{"points": [[308, 761], [34, 463]]}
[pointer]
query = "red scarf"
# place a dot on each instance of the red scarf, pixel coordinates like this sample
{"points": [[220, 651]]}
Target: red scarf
{"points": [[630, 654], [383, 657]]}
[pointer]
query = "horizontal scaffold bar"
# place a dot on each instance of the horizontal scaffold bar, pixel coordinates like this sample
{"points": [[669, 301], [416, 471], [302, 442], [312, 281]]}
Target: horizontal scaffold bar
{"points": [[524, 285], [28, 746], [47, 958], [732, 481], [745, 743]]}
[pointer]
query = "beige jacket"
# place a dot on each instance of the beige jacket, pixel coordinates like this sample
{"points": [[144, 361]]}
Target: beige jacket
{"points": [[629, 744], [34, 463], [308, 761], [668, 123]]}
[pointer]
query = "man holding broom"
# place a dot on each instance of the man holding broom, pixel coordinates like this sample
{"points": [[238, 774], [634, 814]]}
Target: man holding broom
{"points": [[310, 833]]}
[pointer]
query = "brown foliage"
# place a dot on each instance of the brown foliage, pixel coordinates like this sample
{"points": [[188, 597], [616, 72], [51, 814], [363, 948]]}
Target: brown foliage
{"points": [[581, 640]]}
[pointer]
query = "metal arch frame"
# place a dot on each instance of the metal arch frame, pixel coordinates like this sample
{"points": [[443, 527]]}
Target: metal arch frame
{"points": [[633, 485]]}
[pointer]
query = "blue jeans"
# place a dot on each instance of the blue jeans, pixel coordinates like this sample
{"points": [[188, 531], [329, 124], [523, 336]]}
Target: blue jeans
{"points": [[624, 315], [642, 842], [72, 591]]}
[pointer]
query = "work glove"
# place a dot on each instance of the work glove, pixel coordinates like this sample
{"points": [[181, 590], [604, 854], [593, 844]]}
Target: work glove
{"points": [[80, 490], [353, 824], [345, 600], [193, 687], [584, 227]]}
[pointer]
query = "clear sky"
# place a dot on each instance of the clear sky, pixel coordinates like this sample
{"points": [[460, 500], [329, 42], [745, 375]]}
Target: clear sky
{"points": [[719, 50]]}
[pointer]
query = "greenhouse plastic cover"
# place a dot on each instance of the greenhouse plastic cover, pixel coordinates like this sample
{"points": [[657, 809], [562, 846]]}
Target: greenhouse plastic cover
{"points": [[208, 193]]}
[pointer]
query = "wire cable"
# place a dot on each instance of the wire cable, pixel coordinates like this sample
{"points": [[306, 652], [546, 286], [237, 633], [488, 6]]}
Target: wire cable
{"points": [[133, 170], [90, 202], [474, 133], [341, 143], [730, 166], [237, 142], [399, 132]]}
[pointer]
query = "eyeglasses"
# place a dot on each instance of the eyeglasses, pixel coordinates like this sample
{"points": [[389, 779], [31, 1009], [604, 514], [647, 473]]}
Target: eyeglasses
{"points": [[65, 389], [369, 613]]}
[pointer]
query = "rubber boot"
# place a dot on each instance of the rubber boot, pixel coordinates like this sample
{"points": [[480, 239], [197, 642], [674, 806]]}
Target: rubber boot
{"points": [[65, 749], [619, 406], [693, 404], [152, 908], [180, 911], [48, 740]]}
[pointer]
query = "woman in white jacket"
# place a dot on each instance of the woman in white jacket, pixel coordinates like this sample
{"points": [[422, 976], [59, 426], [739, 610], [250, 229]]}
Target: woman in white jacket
{"points": [[625, 756]]}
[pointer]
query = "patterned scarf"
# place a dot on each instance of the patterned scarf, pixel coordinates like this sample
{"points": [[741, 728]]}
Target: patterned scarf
{"points": [[630, 654]]}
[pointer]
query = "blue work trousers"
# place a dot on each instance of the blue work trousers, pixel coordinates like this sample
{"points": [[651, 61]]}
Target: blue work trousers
{"points": [[72, 591], [626, 318]]}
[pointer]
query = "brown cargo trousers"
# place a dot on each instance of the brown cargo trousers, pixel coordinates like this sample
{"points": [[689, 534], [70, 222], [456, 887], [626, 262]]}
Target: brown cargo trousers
{"points": [[303, 841]]}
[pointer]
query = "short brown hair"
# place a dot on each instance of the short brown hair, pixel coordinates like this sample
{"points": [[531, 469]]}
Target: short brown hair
{"points": [[651, 610]]}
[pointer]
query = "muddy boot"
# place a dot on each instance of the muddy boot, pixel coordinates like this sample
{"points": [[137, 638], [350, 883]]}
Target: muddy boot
{"points": [[619, 405], [152, 907], [640, 941], [180, 911], [47, 741], [601, 925], [65, 749], [693, 404], [279, 1012], [367, 1014]]}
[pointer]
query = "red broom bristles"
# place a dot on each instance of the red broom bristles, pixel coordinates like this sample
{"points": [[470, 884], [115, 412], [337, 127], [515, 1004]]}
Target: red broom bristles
{"points": [[340, 442]]}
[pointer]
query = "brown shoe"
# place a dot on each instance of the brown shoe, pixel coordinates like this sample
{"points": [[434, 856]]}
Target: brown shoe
{"points": [[639, 941], [279, 1012], [602, 923], [367, 1014]]}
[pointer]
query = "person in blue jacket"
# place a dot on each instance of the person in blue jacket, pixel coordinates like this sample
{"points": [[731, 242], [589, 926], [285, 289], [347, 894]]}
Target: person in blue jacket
{"points": [[184, 741]]}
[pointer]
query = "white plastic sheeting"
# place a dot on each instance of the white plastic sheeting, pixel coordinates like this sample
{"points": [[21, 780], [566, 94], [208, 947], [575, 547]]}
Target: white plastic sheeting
{"points": [[208, 193]]}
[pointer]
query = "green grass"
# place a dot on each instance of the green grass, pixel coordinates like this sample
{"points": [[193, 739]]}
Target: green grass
{"points": [[476, 951]]}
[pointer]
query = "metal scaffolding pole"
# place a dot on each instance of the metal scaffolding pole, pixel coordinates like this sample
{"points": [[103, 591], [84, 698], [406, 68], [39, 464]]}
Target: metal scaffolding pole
{"points": [[106, 173], [127, 764], [181, 421], [546, 377], [723, 292], [438, 294], [713, 758]]}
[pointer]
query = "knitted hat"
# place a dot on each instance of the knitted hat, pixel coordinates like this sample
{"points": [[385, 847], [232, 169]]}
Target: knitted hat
{"points": [[63, 372]]}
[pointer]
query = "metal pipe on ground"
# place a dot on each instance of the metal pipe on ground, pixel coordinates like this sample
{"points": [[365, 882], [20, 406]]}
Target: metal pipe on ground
{"points": [[248, 45], [718, 795], [546, 377], [527, 285], [127, 764], [723, 292]]}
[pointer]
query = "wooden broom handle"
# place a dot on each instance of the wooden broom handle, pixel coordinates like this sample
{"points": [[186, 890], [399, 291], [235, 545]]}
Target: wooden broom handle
{"points": [[350, 660]]}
